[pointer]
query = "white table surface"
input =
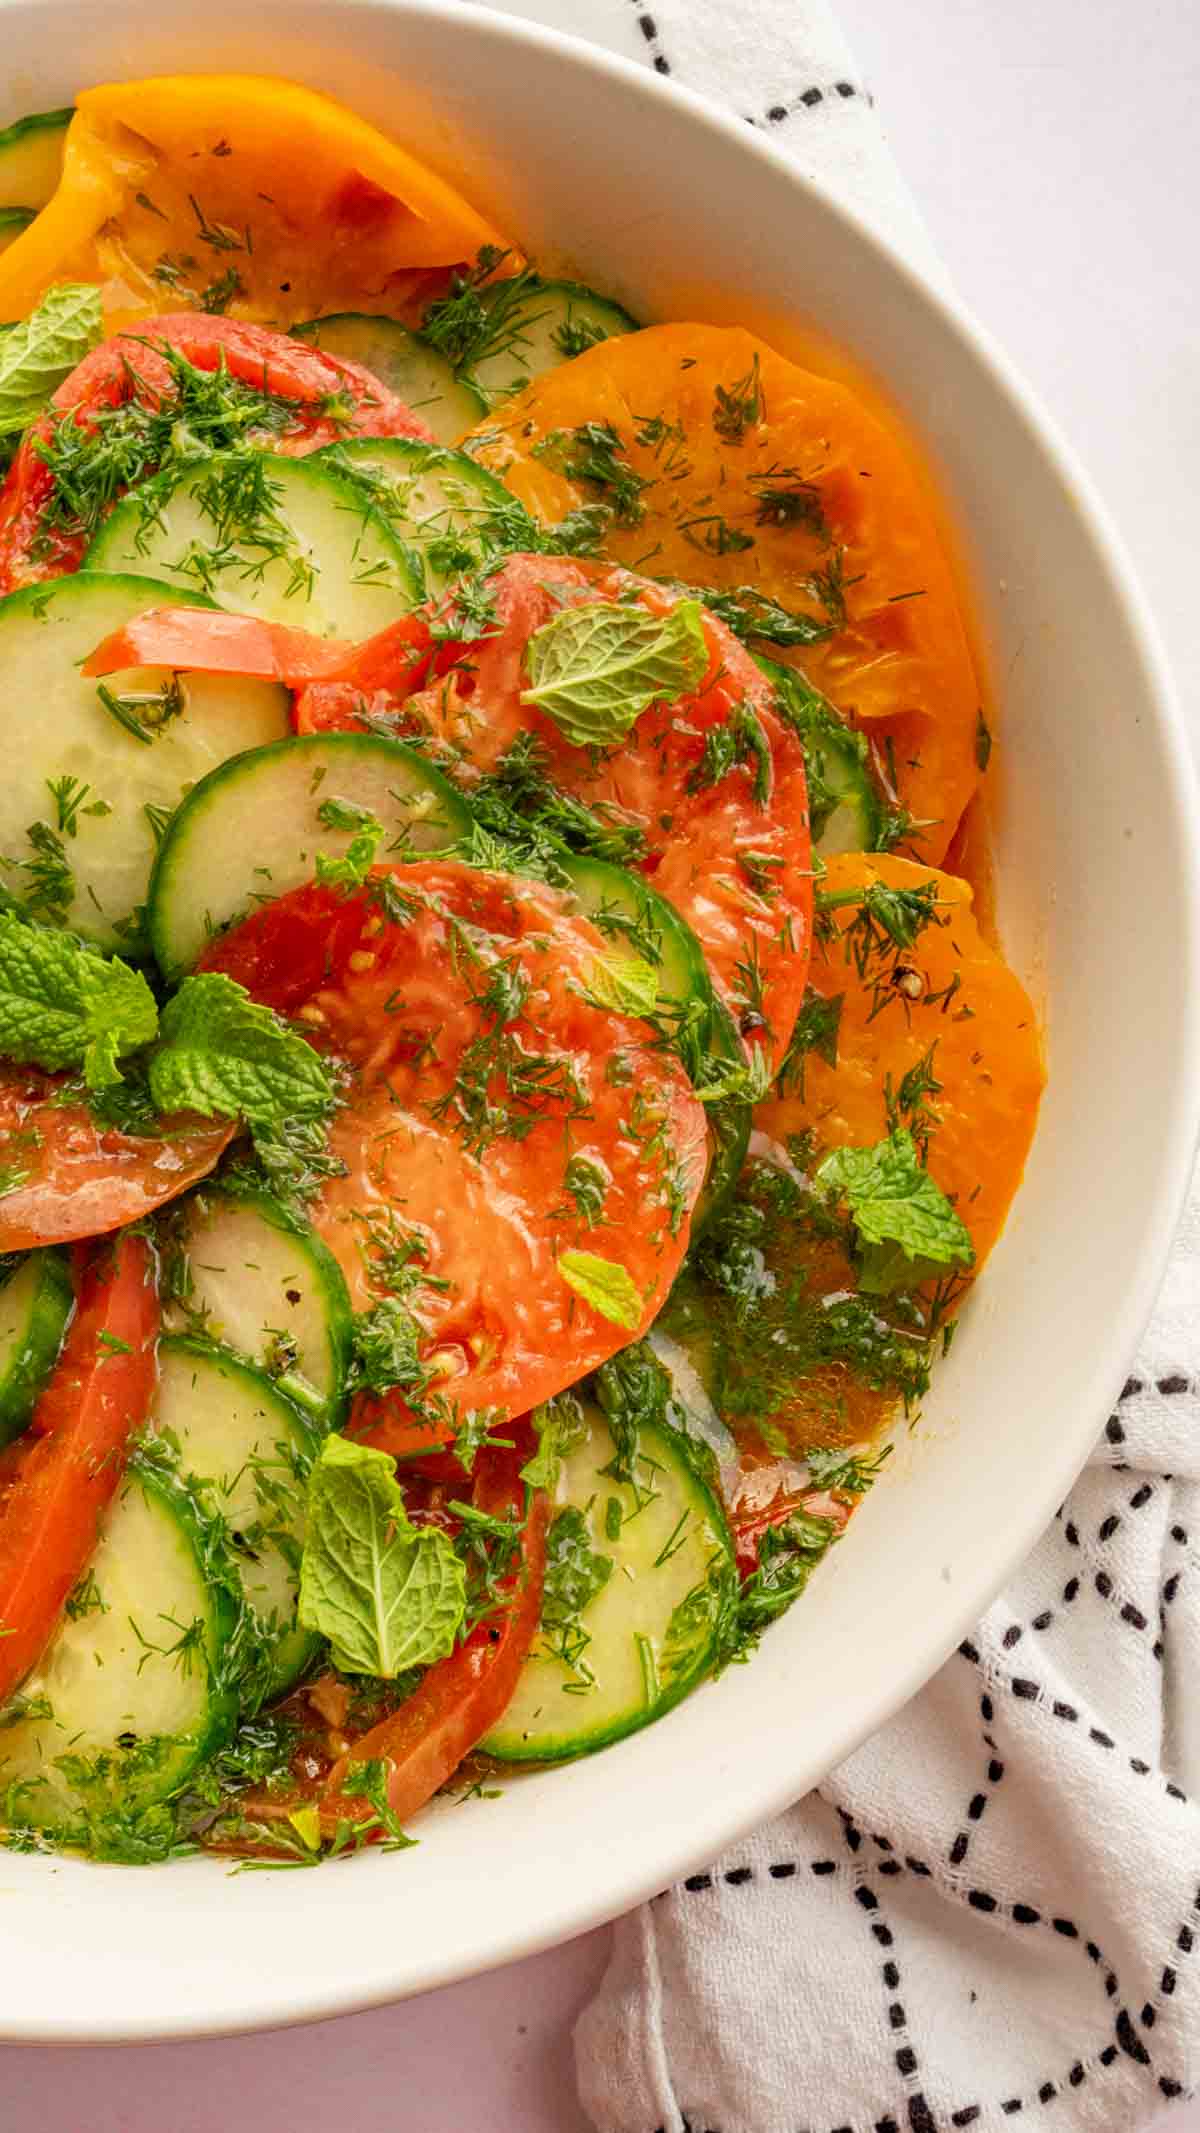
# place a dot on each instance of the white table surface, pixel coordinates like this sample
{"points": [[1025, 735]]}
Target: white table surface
{"points": [[1054, 147]]}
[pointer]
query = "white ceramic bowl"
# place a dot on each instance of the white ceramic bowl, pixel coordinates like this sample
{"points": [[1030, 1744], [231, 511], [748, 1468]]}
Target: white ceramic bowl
{"points": [[682, 212]]}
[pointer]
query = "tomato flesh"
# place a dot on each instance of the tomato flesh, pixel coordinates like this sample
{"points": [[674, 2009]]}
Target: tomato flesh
{"points": [[330, 399], [66, 1177], [733, 859], [462, 1121], [64, 1471]]}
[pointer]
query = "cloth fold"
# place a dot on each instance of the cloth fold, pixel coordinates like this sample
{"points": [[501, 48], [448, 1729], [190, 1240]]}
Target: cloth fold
{"points": [[990, 1915]]}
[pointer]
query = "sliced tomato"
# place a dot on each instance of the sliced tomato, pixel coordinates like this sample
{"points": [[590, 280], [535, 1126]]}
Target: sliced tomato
{"points": [[482, 1072], [208, 642], [460, 1698], [328, 398], [768, 1493], [339, 683], [63, 1177], [732, 855], [66, 1466]]}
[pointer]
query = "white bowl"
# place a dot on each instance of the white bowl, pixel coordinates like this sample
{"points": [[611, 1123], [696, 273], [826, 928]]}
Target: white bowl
{"points": [[682, 212]]}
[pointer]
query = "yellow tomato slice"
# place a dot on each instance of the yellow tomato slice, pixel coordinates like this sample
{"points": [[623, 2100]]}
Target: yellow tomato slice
{"points": [[950, 999], [736, 467], [239, 193]]}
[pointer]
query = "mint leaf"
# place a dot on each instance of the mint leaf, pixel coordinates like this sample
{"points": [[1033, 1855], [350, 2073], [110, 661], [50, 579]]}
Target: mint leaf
{"points": [[626, 983], [64, 1005], [594, 669], [387, 1594], [224, 1055], [906, 1227], [37, 354], [607, 1286]]}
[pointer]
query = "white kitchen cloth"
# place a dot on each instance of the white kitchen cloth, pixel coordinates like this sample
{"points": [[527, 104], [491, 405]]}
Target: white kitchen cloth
{"points": [[988, 1916]]}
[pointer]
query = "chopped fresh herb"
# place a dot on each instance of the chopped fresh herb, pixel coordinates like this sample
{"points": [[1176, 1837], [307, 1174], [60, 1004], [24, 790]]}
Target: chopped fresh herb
{"points": [[560, 1425], [755, 618], [575, 1573], [144, 712], [844, 1473], [815, 1030], [738, 740], [586, 1184], [737, 407], [592, 454], [787, 1556], [482, 317], [624, 984]]}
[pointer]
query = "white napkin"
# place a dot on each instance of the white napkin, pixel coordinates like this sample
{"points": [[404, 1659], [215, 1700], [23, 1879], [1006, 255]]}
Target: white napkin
{"points": [[989, 1916]]}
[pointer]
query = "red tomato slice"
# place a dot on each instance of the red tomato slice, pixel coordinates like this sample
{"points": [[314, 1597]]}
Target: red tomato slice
{"points": [[66, 1467], [352, 678], [207, 642], [767, 1495], [330, 397], [737, 866], [459, 1699], [62, 1176], [481, 1073]]}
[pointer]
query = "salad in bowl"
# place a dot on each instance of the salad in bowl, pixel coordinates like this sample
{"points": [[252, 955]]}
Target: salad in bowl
{"points": [[507, 1072]]}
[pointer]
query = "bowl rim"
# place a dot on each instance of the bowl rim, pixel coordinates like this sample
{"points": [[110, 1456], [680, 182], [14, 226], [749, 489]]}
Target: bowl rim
{"points": [[711, 1824]]}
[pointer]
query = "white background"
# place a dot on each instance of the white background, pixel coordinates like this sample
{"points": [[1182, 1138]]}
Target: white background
{"points": [[1054, 146]]}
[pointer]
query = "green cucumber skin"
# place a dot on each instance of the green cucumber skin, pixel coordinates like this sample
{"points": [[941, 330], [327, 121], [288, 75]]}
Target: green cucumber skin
{"points": [[546, 299], [159, 892], [675, 1451], [596, 883], [70, 1827], [128, 522], [296, 1646], [339, 1317], [857, 793], [38, 1351], [45, 631], [28, 142]]}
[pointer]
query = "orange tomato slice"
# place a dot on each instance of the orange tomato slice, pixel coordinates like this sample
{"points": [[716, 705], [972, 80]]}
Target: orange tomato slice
{"points": [[236, 192], [739, 468], [960, 1002]]}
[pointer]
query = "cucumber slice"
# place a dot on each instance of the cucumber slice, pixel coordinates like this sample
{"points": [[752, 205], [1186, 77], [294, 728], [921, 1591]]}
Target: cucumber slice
{"points": [[249, 1277], [406, 364], [650, 1632], [36, 1301], [445, 508], [288, 539], [12, 221], [31, 154], [60, 857], [547, 325], [635, 917], [129, 1696], [845, 811], [252, 830], [638, 921], [244, 1451]]}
